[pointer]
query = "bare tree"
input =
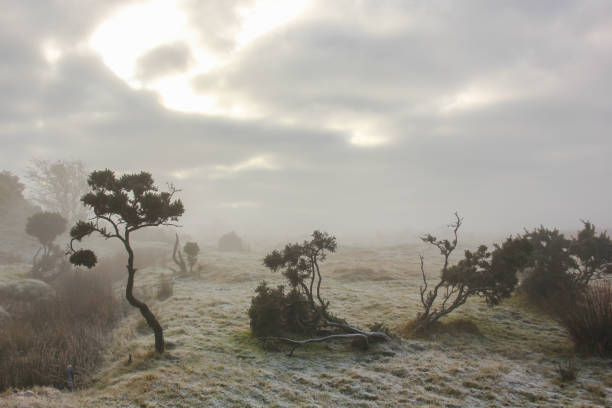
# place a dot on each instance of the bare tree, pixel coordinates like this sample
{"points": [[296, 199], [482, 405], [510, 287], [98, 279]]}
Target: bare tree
{"points": [[58, 186], [177, 257]]}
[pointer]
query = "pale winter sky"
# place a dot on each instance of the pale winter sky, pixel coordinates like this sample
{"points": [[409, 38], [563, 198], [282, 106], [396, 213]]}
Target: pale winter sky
{"points": [[352, 116]]}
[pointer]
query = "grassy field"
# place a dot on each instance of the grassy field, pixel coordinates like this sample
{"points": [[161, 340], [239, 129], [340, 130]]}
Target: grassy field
{"points": [[505, 356]]}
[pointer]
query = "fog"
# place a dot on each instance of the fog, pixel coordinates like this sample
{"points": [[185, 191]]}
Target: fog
{"points": [[314, 145], [374, 121]]}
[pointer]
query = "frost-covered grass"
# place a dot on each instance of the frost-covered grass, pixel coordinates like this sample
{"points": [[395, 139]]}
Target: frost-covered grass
{"points": [[507, 356]]}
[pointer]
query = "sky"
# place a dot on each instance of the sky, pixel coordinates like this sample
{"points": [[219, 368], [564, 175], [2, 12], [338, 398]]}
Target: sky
{"points": [[361, 118]]}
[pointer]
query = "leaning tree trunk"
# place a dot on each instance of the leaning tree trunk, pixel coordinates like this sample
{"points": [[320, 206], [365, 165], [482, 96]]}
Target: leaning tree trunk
{"points": [[178, 258], [144, 309]]}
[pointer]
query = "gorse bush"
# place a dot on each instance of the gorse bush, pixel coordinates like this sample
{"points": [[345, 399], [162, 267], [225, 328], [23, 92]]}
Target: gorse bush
{"points": [[303, 309], [267, 310], [588, 320], [273, 312], [43, 337], [483, 273], [560, 266]]}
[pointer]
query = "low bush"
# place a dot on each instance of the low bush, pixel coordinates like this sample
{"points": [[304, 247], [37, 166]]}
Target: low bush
{"points": [[44, 337], [487, 274], [588, 320], [273, 312], [561, 266], [303, 310]]}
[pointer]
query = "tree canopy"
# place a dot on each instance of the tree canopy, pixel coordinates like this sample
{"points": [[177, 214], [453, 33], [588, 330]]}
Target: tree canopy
{"points": [[122, 205]]}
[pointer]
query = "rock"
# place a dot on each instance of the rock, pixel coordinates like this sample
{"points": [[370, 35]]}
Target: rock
{"points": [[26, 290]]}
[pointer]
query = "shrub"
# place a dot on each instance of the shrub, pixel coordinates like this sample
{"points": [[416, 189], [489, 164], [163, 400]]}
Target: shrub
{"points": [[273, 312], [560, 265], [266, 310], [303, 310], [490, 275], [588, 320], [45, 336], [299, 264]]}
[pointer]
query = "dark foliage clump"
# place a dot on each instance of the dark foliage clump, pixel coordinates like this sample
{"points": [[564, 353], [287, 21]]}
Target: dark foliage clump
{"points": [[588, 319], [559, 266], [273, 312], [46, 227], [487, 274], [303, 309]]}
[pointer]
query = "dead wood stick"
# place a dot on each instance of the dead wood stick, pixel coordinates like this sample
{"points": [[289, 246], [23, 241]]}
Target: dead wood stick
{"points": [[298, 343], [345, 326]]}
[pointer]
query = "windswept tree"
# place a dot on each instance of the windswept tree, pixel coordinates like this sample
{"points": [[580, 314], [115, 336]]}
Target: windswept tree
{"points": [[122, 205], [191, 251], [299, 264], [46, 227], [487, 274]]}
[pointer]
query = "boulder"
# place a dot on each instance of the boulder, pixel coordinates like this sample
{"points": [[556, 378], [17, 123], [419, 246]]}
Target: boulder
{"points": [[26, 290]]}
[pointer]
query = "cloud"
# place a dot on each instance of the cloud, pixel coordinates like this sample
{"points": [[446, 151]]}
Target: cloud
{"points": [[348, 116], [163, 60]]}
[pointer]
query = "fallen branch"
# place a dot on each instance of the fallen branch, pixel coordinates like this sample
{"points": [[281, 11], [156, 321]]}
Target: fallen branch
{"points": [[354, 333], [298, 343], [375, 334]]}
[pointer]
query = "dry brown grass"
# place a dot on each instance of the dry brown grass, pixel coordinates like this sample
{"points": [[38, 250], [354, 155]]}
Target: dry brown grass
{"points": [[213, 360], [43, 337], [588, 319]]}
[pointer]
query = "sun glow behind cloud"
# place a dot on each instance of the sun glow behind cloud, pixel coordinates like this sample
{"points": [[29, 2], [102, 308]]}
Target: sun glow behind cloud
{"points": [[51, 51], [135, 30]]}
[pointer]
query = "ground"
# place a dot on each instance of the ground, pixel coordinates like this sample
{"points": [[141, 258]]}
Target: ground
{"points": [[503, 356]]}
